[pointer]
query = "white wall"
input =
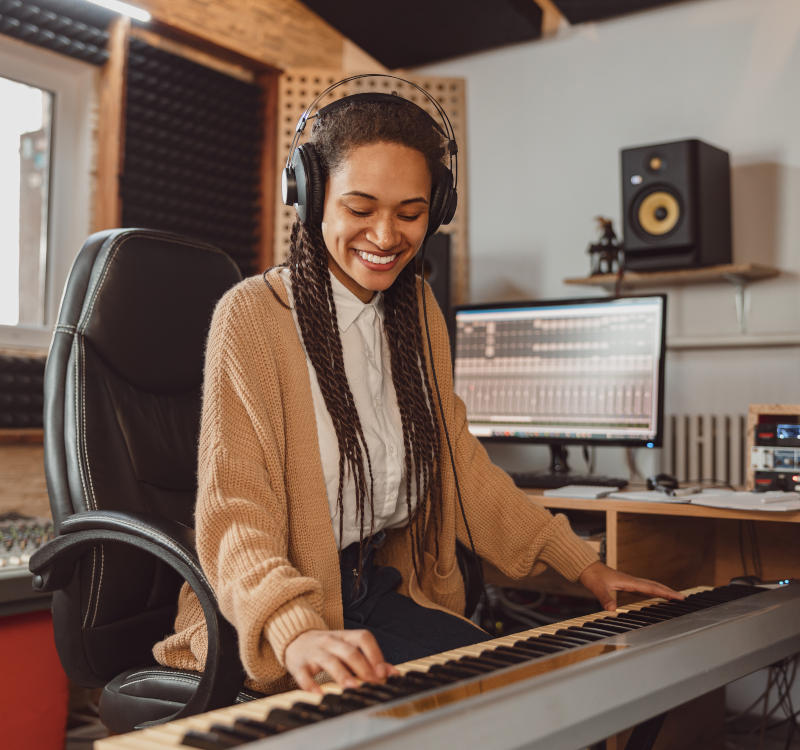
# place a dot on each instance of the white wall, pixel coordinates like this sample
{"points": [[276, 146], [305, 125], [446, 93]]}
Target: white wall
{"points": [[546, 121]]}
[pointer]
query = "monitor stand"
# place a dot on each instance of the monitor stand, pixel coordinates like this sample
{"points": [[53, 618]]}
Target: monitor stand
{"points": [[559, 474], [558, 459]]}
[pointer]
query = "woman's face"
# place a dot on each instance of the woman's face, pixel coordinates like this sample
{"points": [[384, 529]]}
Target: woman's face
{"points": [[375, 215]]}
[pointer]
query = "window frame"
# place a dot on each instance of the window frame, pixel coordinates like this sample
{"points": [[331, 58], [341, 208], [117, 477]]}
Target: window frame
{"points": [[74, 86]]}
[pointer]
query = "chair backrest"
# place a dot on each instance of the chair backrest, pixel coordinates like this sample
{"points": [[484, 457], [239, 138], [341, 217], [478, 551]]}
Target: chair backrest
{"points": [[121, 419]]}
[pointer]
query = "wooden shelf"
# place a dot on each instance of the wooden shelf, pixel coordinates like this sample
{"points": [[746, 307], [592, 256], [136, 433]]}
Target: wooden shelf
{"points": [[734, 273]]}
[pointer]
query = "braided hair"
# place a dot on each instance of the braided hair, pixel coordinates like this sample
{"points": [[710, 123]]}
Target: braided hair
{"points": [[334, 135]]}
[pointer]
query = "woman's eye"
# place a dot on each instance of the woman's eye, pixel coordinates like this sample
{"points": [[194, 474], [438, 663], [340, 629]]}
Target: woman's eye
{"points": [[414, 217], [356, 212]]}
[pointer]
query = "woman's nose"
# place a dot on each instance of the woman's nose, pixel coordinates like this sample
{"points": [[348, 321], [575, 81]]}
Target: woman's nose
{"points": [[384, 234]]}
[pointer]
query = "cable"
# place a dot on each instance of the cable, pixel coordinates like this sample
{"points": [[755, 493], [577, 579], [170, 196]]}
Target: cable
{"points": [[489, 606]]}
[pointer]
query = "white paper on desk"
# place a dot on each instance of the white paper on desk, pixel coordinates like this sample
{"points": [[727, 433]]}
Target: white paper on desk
{"points": [[650, 496], [746, 500]]}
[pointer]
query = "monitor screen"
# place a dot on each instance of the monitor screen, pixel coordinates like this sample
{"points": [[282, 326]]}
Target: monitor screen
{"points": [[563, 371]]}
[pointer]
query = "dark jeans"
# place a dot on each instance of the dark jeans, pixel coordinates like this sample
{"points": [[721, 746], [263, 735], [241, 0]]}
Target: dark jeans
{"points": [[404, 630]]}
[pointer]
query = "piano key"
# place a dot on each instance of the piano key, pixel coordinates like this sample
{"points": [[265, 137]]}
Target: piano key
{"points": [[588, 636], [483, 664], [560, 640], [208, 741], [258, 728]]}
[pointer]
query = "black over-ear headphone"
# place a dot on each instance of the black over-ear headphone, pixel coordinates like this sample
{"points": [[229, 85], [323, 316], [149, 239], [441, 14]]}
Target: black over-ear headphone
{"points": [[303, 179]]}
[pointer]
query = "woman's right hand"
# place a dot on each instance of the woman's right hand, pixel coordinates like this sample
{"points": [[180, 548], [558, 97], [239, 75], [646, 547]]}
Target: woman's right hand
{"points": [[348, 656]]}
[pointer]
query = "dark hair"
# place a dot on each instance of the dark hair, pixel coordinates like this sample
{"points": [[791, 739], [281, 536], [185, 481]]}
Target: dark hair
{"points": [[334, 135]]}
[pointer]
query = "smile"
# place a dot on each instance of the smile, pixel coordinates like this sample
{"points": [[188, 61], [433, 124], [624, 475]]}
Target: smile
{"points": [[380, 260]]}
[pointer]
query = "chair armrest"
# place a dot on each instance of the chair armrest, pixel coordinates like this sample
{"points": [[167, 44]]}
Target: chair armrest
{"points": [[53, 566]]}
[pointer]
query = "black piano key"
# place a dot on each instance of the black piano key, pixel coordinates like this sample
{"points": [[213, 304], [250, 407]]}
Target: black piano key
{"points": [[606, 628], [452, 671], [381, 693], [483, 664], [494, 654], [254, 725], [532, 651], [344, 703], [514, 651], [560, 640], [536, 642], [585, 635], [423, 679], [207, 741], [316, 709], [235, 734], [284, 719], [640, 618], [653, 611], [657, 616]]}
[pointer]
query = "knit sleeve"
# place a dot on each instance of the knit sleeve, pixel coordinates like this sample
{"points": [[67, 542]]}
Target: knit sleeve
{"points": [[509, 528], [241, 513]]}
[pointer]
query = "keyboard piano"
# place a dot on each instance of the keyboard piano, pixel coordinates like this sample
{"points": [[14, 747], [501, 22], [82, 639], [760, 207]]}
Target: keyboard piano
{"points": [[561, 686]]}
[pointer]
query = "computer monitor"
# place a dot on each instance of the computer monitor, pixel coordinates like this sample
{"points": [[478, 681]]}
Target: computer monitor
{"points": [[586, 371]]}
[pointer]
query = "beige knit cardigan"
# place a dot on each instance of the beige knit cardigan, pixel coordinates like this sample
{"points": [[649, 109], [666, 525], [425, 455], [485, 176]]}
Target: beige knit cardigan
{"points": [[263, 528]]}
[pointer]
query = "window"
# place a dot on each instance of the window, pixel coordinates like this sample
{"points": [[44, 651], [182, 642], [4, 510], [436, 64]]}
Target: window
{"points": [[45, 184]]}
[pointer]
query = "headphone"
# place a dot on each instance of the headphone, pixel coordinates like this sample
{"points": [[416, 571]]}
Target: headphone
{"points": [[303, 177], [665, 483]]}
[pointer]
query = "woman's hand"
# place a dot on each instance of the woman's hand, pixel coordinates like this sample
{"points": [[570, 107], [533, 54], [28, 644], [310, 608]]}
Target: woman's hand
{"points": [[603, 581], [348, 656]]}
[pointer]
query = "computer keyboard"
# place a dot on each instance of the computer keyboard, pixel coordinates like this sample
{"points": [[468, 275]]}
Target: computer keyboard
{"points": [[533, 480]]}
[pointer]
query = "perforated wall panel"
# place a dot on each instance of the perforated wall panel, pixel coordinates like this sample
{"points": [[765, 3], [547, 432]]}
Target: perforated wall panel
{"points": [[299, 87], [193, 139]]}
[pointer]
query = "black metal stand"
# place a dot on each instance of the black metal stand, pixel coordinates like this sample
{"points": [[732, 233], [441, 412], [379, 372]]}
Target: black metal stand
{"points": [[558, 459], [645, 734]]}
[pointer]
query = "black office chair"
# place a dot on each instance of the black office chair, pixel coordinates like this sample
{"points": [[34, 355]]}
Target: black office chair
{"points": [[121, 419]]}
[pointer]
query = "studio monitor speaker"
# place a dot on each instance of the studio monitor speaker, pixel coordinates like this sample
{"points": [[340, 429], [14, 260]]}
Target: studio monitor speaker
{"points": [[676, 206]]}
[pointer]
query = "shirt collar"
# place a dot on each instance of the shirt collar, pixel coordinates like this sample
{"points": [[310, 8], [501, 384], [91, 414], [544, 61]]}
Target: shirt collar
{"points": [[349, 307]]}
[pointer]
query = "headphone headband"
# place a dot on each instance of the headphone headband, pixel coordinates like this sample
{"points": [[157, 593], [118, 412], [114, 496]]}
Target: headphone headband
{"points": [[303, 181]]}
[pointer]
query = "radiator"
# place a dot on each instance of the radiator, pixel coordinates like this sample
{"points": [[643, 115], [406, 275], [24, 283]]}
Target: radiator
{"points": [[706, 447]]}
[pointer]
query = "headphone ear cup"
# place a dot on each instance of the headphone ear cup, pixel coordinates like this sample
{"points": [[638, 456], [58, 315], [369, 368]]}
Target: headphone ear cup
{"points": [[443, 199], [310, 184]]}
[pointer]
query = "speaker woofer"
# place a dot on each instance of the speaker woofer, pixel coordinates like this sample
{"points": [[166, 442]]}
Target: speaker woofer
{"points": [[657, 213]]}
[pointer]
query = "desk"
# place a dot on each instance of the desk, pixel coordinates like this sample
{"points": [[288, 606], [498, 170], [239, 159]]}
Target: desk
{"points": [[684, 545]]}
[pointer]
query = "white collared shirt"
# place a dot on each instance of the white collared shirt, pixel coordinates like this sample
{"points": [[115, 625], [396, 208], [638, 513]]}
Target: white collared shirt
{"points": [[368, 370]]}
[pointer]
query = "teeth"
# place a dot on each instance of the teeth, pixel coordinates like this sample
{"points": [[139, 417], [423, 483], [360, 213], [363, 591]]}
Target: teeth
{"points": [[381, 260]]}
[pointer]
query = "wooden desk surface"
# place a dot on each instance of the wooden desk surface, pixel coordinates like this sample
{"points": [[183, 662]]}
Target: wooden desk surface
{"points": [[662, 509]]}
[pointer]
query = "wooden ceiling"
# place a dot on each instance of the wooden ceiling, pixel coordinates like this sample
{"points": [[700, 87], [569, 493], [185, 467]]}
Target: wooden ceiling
{"points": [[415, 32]]}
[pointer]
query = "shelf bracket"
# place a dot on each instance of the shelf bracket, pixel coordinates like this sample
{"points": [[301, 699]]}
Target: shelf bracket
{"points": [[740, 283]]}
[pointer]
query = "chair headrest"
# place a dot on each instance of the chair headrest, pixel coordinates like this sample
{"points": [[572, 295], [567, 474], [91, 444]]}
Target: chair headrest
{"points": [[144, 300]]}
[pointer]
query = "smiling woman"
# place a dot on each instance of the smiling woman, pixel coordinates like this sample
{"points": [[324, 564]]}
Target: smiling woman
{"points": [[334, 480]]}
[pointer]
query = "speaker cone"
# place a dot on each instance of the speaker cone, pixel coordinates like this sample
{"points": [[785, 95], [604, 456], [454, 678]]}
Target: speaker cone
{"points": [[657, 213]]}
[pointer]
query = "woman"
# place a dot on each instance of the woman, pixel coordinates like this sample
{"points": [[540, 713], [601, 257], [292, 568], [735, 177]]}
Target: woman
{"points": [[327, 512]]}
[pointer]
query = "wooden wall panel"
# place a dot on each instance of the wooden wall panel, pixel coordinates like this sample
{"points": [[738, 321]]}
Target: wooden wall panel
{"points": [[279, 33], [298, 88]]}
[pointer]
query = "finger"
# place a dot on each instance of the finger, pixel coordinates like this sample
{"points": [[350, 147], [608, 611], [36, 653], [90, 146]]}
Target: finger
{"points": [[366, 643], [304, 677], [646, 586], [338, 671], [354, 659]]}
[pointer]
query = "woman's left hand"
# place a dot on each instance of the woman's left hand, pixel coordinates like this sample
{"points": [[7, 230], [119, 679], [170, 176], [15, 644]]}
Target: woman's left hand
{"points": [[603, 581]]}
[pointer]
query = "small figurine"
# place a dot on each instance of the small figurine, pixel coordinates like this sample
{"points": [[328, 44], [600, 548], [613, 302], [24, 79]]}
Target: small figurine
{"points": [[607, 252]]}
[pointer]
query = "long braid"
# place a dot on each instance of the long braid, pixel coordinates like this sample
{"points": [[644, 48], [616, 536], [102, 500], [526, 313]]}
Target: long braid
{"points": [[415, 401], [316, 314]]}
